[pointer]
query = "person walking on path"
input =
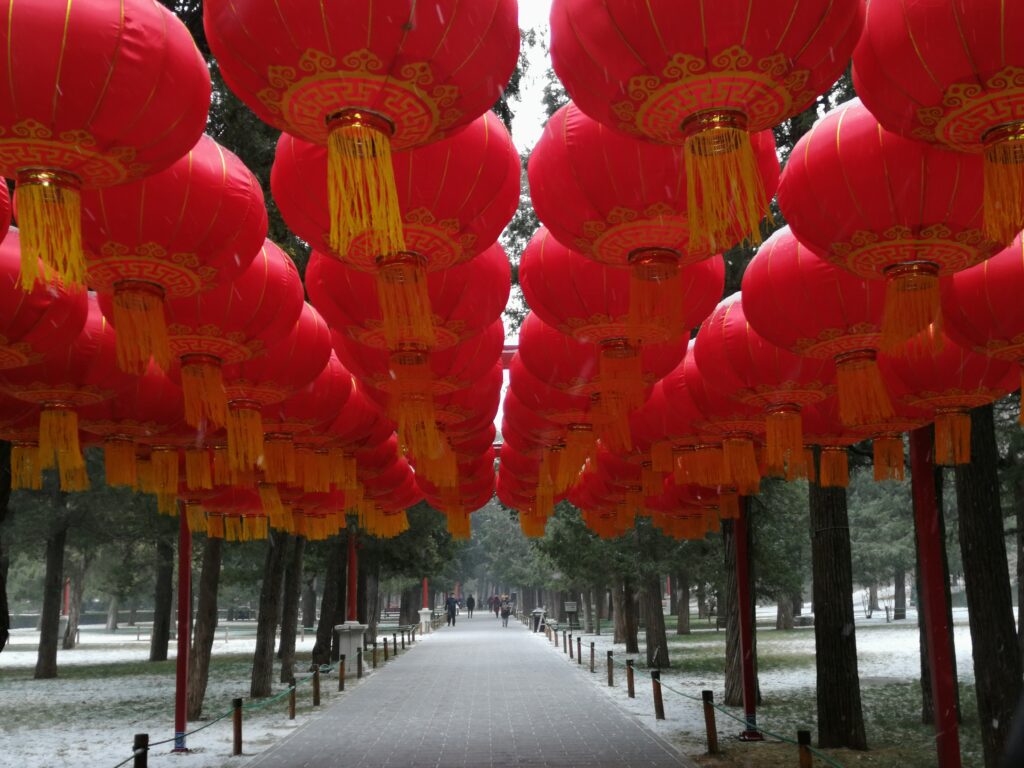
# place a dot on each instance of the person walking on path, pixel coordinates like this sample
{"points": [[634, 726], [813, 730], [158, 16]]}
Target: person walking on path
{"points": [[470, 605], [506, 611], [452, 608], [497, 606]]}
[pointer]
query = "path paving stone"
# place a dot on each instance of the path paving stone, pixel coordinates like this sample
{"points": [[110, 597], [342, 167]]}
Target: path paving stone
{"points": [[474, 695]]}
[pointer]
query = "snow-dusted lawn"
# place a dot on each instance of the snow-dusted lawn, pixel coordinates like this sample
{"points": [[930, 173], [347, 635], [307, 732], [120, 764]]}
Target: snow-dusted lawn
{"points": [[108, 691]]}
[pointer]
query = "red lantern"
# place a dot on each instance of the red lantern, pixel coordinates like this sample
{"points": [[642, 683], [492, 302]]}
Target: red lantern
{"points": [[98, 94], [948, 383], [623, 202], [463, 300], [171, 235], [704, 77], [33, 324], [807, 305], [598, 308], [951, 73], [886, 208], [83, 372], [365, 80], [737, 361], [230, 324], [455, 197]]}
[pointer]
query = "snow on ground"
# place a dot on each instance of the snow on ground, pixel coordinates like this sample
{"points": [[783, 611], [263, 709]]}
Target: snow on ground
{"points": [[89, 716]]}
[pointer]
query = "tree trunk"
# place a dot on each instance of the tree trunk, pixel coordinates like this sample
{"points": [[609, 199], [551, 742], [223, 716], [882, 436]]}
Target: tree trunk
{"points": [[363, 609], [682, 602], [5, 561], [702, 600], [113, 608], [899, 610], [329, 601], [53, 585], [162, 604], [656, 638], [630, 620], [588, 615], [797, 599], [728, 607], [290, 614], [997, 664], [76, 571], [840, 717], [673, 596], [266, 623], [784, 615], [597, 596], [204, 628], [309, 603]]}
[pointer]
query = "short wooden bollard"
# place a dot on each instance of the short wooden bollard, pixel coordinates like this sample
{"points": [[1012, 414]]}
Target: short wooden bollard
{"points": [[140, 748], [611, 670], [291, 699], [341, 672], [709, 721], [565, 647], [359, 663], [374, 662], [571, 656], [803, 739], [316, 687], [659, 705], [236, 722], [394, 643], [630, 690], [385, 649], [591, 658], [579, 650]]}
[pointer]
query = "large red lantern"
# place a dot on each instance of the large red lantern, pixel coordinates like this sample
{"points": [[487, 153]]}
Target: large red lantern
{"points": [[886, 208], [623, 201], [598, 308], [704, 77], [464, 299], [363, 81], [171, 235], [802, 303], [737, 360], [455, 196], [952, 73], [36, 323], [97, 94], [83, 372]]}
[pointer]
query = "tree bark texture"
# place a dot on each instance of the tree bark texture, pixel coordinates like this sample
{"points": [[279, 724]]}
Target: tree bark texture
{"points": [[266, 623], [727, 607], [682, 588], [5, 560], [588, 615], [53, 586], [309, 603], [656, 638], [840, 717], [162, 595], [873, 597], [784, 614], [113, 608], [76, 570], [329, 601], [899, 609], [204, 628], [290, 613], [619, 610], [997, 663], [630, 617]]}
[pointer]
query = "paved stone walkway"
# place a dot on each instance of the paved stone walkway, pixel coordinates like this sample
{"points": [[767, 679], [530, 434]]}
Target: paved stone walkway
{"points": [[474, 695]]}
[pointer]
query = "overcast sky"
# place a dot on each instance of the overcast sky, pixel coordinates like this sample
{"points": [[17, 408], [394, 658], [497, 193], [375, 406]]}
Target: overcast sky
{"points": [[529, 112]]}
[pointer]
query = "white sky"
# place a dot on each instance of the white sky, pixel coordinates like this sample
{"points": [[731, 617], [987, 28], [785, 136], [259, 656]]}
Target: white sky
{"points": [[529, 111]]}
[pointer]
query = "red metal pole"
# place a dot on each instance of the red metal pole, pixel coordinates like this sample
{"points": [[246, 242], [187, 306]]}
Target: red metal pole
{"points": [[184, 630], [353, 578], [426, 600], [746, 628], [940, 655]]}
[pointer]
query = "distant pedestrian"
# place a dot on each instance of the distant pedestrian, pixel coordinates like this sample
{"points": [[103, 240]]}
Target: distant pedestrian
{"points": [[452, 609], [506, 611], [470, 605], [496, 606]]}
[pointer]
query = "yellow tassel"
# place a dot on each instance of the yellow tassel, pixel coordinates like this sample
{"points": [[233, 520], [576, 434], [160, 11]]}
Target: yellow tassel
{"points": [[911, 304], [49, 209], [404, 302], [198, 470], [141, 326], [532, 526], [221, 469], [655, 288], [232, 529], [458, 525], [707, 466], [442, 471], [682, 470], [195, 517], [362, 195], [167, 504], [580, 446], [279, 462], [143, 475], [270, 499], [835, 469], [621, 387], [739, 464], [809, 464], [662, 458], [888, 457], [729, 506], [712, 522], [166, 470], [317, 478], [26, 474], [119, 461], [1004, 182], [58, 437], [550, 464], [724, 190], [412, 404], [784, 438], [952, 438], [215, 526], [72, 476], [863, 397], [202, 385], [245, 435]]}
